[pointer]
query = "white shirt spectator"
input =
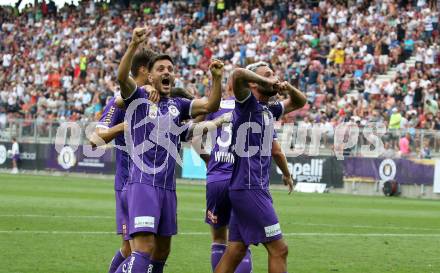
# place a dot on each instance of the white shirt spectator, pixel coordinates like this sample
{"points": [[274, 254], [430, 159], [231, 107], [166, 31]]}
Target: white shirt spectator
{"points": [[7, 58], [429, 57], [15, 149]]}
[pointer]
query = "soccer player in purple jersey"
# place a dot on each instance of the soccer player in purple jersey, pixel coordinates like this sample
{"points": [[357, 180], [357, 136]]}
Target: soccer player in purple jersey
{"points": [[151, 190], [111, 126], [219, 171], [253, 218]]}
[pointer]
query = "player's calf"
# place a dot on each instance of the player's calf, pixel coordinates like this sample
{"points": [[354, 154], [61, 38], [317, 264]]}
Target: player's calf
{"points": [[139, 260], [277, 251], [235, 252], [160, 254]]}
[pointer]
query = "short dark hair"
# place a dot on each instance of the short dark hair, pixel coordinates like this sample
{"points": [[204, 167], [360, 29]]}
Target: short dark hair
{"points": [[159, 57], [141, 58]]}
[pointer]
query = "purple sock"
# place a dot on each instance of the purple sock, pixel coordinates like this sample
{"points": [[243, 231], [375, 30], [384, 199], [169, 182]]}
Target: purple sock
{"points": [[157, 266], [137, 262], [217, 251], [116, 261], [246, 264]]}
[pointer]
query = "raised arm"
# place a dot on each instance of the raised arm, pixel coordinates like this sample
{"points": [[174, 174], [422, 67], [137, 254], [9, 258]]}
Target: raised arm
{"points": [[204, 106], [127, 83], [240, 82], [296, 98], [280, 159]]}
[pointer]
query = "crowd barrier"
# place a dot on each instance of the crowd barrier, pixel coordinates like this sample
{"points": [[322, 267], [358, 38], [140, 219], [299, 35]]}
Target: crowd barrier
{"points": [[306, 170]]}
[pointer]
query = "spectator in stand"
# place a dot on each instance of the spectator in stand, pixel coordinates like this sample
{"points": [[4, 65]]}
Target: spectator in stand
{"points": [[63, 62], [404, 145], [15, 151]]}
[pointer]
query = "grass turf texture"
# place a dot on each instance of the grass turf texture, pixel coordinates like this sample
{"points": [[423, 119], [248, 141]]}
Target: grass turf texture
{"points": [[65, 224]]}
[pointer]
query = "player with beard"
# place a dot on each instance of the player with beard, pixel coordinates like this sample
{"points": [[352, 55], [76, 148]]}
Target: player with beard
{"points": [[219, 170], [154, 133], [253, 219]]}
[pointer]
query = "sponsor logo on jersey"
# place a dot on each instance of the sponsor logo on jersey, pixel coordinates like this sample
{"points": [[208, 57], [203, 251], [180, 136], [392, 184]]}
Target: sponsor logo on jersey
{"points": [[152, 111], [144, 221], [272, 230]]}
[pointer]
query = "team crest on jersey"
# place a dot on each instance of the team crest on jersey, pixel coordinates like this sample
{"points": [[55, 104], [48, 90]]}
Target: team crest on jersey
{"points": [[152, 112], [173, 110]]}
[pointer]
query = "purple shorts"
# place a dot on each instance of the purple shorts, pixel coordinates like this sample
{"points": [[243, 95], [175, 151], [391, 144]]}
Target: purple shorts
{"points": [[218, 205], [16, 157], [122, 214], [151, 209], [253, 218]]}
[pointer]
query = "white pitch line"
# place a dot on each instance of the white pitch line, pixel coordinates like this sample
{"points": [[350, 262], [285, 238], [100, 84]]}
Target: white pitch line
{"points": [[201, 219], [57, 216], [292, 234]]}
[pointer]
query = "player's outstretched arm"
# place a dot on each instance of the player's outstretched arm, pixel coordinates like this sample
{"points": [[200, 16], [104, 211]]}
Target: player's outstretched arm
{"points": [[240, 82], [280, 159], [127, 83], [210, 105], [102, 136], [296, 98]]}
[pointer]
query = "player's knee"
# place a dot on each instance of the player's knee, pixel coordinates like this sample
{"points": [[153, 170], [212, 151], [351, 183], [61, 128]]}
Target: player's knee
{"points": [[280, 251], [237, 251], [220, 235]]}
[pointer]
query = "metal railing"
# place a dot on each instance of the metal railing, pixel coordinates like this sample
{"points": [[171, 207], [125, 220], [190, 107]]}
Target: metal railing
{"points": [[422, 143]]}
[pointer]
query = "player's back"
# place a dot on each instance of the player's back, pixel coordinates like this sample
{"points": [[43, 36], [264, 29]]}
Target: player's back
{"points": [[252, 137], [112, 116], [222, 159]]}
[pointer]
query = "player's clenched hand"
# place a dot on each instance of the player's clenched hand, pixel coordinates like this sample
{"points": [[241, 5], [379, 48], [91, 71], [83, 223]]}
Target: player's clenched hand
{"points": [[271, 84], [282, 86], [288, 181], [154, 95], [140, 34], [216, 68]]}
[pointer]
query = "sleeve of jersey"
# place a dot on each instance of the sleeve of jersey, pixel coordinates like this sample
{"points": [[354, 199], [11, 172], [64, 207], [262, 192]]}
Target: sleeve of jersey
{"points": [[277, 110], [275, 135], [185, 107], [247, 105], [138, 93], [108, 117]]}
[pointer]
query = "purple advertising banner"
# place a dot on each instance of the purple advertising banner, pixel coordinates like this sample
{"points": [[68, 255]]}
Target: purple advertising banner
{"points": [[75, 161], [404, 171]]}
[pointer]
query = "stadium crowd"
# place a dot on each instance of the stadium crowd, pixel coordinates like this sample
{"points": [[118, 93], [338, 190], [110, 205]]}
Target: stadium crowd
{"points": [[59, 65]]}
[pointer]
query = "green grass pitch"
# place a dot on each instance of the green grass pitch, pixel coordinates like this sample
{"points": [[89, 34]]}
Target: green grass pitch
{"points": [[65, 224]]}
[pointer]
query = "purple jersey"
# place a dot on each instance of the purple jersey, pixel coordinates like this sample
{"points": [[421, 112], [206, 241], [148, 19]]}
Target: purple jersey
{"points": [[252, 137], [112, 116], [221, 160], [155, 134]]}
